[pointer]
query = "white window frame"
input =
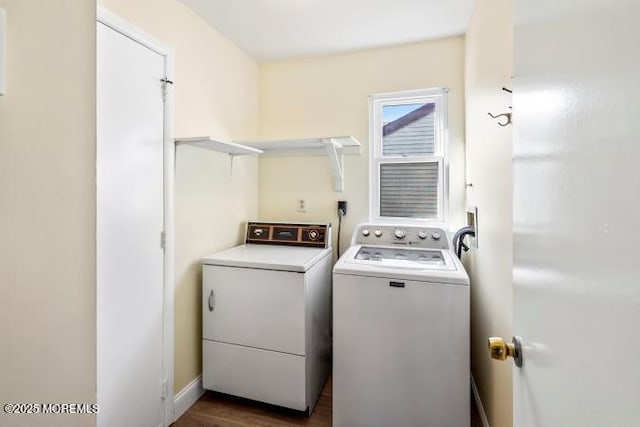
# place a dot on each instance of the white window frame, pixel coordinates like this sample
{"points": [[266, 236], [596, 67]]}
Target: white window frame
{"points": [[376, 103]]}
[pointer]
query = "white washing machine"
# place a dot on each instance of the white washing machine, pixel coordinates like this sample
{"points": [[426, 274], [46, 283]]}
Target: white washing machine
{"points": [[267, 315], [400, 331]]}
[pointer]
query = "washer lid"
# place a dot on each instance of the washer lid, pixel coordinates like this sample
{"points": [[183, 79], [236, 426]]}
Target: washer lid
{"points": [[402, 257], [268, 257], [440, 266]]}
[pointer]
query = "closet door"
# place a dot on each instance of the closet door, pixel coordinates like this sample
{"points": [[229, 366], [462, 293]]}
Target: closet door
{"points": [[129, 222]]}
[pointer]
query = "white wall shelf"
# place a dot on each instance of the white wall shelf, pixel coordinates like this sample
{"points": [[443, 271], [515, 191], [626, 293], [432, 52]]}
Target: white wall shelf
{"points": [[334, 147], [232, 148], [304, 146]]}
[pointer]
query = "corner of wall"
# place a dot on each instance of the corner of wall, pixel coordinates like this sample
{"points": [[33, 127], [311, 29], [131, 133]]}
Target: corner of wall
{"points": [[488, 67]]}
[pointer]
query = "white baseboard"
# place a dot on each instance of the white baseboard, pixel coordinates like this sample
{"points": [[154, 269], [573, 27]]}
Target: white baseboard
{"points": [[188, 396], [476, 395]]}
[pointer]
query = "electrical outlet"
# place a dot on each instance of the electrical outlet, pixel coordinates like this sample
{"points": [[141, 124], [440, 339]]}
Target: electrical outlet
{"points": [[342, 207], [301, 205]]}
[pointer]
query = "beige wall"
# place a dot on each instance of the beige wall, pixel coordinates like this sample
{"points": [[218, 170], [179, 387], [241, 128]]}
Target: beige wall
{"points": [[328, 96], [47, 209], [216, 94], [489, 59]]}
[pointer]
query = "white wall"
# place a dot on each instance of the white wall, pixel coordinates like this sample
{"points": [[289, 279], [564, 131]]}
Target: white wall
{"points": [[488, 68], [216, 94], [47, 209], [328, 96]]}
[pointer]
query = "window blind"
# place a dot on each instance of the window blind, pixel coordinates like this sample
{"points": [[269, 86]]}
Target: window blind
{"points": [[409, 189]]}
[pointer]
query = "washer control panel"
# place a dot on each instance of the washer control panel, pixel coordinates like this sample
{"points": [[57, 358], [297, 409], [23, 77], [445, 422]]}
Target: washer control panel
{"points": [[314, 235], [408, 235]]}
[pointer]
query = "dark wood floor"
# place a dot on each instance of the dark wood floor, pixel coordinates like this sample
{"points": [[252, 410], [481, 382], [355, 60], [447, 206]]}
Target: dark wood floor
{"points": [[220, 410]]}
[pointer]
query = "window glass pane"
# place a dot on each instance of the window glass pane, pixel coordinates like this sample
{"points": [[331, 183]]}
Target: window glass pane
{"points": [[408, 129], [409, 190]]}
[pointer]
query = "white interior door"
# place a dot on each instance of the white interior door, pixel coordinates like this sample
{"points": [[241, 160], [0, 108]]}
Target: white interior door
{"points": [[576, 212], [129, 222]]}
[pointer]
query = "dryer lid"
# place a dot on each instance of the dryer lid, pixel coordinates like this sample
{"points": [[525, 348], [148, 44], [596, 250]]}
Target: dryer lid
{"points": [[268, 257]]}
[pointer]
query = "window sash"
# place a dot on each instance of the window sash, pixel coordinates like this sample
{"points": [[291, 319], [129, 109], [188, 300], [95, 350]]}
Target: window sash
{"points": [[377, 102], [439, 122]]}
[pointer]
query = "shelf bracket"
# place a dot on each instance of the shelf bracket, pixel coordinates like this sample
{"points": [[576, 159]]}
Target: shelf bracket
{"points": [[336, 161]]}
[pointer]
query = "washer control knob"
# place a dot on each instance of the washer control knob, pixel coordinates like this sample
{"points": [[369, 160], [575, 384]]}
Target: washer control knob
{"points": [[365, 232], [435, 236], [378, 233], [422, 234], [400, 233], [258, 231], [313, 235]]}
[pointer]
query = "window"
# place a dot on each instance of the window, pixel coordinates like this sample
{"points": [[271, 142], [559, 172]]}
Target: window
{"points": [[408, 156]]}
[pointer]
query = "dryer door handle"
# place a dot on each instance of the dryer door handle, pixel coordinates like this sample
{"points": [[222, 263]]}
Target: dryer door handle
{"points": [[212, 301]]}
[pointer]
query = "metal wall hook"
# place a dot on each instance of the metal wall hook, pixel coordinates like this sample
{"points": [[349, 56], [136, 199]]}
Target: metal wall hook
{"points": [[507, 116]]}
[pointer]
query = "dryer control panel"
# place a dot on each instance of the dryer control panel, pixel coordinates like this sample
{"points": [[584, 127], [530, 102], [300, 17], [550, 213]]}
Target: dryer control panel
{"points": [[406, 235], [312, 235]]}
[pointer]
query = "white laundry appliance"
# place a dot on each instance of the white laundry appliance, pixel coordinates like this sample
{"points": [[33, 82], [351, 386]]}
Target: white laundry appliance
{"points": [[267, 315], [400, 331]]}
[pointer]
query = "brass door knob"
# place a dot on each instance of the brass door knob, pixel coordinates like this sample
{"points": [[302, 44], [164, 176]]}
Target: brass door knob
{"points": [[500, 350]]}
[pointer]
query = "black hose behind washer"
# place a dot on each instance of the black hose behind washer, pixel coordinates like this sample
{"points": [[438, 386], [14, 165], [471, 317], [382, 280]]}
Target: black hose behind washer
{"points": [[458, 239]]}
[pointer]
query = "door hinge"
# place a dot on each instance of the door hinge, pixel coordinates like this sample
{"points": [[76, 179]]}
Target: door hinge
{"points": [[164, 389], [163, 239], [165, 81]]}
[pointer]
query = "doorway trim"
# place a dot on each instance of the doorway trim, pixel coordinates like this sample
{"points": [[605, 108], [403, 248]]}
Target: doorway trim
{"points": [[131, 31]]}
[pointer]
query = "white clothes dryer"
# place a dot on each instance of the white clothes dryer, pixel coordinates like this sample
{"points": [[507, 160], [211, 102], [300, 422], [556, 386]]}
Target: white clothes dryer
{"points": [[267, 315], [401, 330]]}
